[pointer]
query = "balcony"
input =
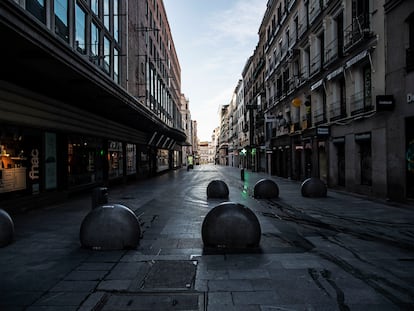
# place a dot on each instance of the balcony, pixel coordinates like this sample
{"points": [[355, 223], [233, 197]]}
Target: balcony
{"points": [[358, 31]]}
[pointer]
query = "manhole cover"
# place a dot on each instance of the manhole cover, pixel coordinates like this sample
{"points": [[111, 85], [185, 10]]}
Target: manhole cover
{"points": [[175, 275], [151, 301]]}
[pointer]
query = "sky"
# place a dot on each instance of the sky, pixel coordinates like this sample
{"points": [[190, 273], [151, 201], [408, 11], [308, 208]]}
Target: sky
{"points": [[213, 40]]}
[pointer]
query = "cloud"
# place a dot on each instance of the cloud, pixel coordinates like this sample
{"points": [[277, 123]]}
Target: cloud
{"points": [[239, 23]]}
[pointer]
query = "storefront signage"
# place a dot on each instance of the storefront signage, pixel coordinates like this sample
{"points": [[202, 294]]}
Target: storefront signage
{"points": [[362, 136], [34, 162], [322, 131], [338, 140], [385, 102], [410, 98]]}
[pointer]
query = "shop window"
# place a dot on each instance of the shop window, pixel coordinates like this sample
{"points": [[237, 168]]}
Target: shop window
{"points": [[86, 161], [21, 160], [37, 9], [131, 159], [115, 159], [162, 160]]}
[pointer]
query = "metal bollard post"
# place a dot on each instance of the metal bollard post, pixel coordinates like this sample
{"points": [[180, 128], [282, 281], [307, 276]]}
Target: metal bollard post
{"points": [[242, 174], [99, 196]]}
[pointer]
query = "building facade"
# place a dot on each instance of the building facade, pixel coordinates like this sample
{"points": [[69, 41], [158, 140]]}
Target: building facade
{"points": [[325, 68], [328, 93], [399, 81], [76, 110]]}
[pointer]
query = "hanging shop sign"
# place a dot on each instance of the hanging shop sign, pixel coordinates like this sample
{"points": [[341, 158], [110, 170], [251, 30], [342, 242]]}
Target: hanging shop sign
{"points": [[410, 98], [362, 137], [322, 131], [385, 102]]}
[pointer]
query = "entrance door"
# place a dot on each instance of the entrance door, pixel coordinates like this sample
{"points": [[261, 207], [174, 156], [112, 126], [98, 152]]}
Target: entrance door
{"points": [[341, 164]]}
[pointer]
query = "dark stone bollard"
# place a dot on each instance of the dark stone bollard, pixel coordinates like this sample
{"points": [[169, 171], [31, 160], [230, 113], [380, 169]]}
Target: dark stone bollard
{"points": [[6, 228], [231, 225], [217, 189], [314, 188], [110, 227], [266, 189], [99, 196]]}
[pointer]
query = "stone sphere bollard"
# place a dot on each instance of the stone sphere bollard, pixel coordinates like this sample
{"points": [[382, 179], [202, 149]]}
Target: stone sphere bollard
{"points": [[231, 225], [266, 189], [110, 227], [6, 228], [314, 188], [217, 189]]}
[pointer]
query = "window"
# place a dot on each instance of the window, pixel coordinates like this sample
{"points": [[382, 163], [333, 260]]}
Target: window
{"points": [[80, 29], [94, 43], [116, 66], [95, 7], [61, 19], [116, 20], [106, 13], [37, 9], [107, 55]]}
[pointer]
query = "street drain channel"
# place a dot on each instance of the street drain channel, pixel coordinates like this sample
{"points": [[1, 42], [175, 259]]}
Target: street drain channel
{"points": [[171, 275]]}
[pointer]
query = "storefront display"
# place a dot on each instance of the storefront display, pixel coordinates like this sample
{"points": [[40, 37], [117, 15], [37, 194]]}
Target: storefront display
{"points": [[86, 160], [131, 159], [162, 160], [20, 167], [115, 159]]}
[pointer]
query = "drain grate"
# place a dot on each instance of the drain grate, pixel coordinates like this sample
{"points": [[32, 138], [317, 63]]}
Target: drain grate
{"points": [[172, 275]]}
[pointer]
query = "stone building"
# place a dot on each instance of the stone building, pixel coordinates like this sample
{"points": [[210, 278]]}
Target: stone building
{"points": [[89, 95], [399, 103], [325, 78]]}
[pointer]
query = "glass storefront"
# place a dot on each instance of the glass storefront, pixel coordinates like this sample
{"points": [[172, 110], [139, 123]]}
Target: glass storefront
{"points": [[131, 159], [115, 159], [162, 160], [21, 160], [86, 160]]}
